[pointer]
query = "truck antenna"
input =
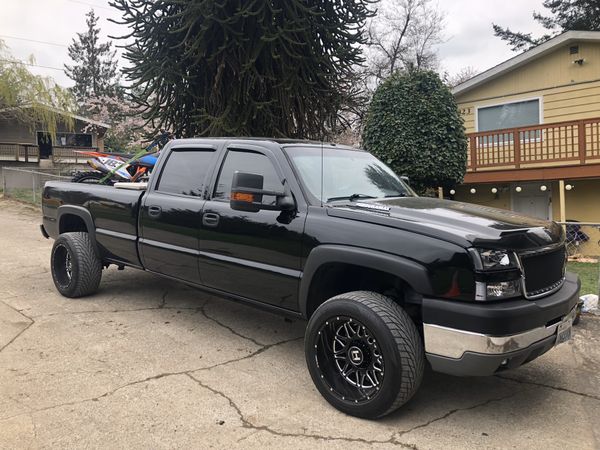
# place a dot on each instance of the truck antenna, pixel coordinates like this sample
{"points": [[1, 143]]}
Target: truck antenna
{"points": [[322, 164]]}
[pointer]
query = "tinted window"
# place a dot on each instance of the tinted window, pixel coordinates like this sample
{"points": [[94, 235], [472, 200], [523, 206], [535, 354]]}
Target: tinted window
{"points": [[248, 162], [184, 172]]}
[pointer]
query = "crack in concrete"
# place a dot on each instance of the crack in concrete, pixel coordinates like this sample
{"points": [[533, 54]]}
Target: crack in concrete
{"points": [[249, 425], [110, 311], [31, 322], [549, 386], [454, 411], [163, 301], [153, 377], [205, 314]]}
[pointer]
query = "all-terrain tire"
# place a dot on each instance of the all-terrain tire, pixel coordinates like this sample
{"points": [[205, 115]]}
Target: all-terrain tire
{"points": [[398, 342], [91, 177], [75, 265]]}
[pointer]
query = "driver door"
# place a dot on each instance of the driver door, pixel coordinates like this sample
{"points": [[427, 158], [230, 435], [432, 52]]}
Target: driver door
{"points": [[256, 255]]}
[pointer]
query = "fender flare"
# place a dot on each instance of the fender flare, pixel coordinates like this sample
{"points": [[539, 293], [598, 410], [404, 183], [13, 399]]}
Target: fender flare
{"points": [[414, 274], [80, 212]]}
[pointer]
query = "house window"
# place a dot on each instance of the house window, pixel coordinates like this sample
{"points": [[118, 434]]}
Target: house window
{"points": [[73, 140], [509, 115]]}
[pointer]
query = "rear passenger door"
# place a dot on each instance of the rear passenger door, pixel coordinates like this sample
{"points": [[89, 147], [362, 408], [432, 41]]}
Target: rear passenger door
{"points": [[170, 216], [255, 255]]}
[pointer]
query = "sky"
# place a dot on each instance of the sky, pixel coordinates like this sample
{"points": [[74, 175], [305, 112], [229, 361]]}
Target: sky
{"points": [[468, 39]]}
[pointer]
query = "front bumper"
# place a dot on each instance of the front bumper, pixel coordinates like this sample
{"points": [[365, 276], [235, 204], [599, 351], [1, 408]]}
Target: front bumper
{"points": [[460, 351]]}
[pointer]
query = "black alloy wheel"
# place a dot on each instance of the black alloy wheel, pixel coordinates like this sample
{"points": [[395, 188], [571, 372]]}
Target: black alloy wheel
{"points": [[349, 358], [75, 265], [364, 353]]}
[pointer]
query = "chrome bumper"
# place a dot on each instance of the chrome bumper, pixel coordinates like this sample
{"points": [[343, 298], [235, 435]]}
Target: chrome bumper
{"points": [[453, 343]]}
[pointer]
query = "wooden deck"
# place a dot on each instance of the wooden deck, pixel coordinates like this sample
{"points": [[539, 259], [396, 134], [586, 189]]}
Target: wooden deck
{"points": [[548, 151]]}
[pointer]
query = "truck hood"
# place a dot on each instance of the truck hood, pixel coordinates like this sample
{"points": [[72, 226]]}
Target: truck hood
{"points": [[465, 224]]}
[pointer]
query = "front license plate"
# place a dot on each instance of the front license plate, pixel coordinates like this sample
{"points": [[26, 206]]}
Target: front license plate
{"points": [[563, 334]]}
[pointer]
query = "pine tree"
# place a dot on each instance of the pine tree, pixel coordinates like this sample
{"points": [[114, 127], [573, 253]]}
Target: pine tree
{"points": [[282, 68], [582, 15], [95, 68]]}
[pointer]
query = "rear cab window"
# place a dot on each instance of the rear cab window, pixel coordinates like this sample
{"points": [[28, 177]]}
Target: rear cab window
{"points": [[184, 171]]}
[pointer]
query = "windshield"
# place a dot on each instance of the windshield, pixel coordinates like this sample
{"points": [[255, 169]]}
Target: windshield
{"points": [[347, 174]]}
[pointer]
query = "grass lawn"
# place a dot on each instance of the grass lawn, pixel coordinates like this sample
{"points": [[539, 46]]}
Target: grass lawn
{"points": [[588, 273]]}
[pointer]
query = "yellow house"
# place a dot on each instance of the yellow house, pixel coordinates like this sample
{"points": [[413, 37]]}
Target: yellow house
{"points": [[533, 124]]}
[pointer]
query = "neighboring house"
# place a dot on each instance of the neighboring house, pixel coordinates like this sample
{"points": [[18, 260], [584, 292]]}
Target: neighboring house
{"points": [[26, 142], [533, 124]]}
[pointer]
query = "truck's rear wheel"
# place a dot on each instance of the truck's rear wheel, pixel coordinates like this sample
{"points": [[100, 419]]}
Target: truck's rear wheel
{"points": [[76, 268], [364, 354]]}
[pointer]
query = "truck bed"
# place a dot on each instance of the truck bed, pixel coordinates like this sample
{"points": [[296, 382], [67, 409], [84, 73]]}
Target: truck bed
{"points": [[112, 212]]}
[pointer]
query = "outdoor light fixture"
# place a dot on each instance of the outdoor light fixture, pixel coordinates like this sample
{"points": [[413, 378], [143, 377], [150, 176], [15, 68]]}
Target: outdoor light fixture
{"points": [[494, 190], [473, 190], [452, 192], [543, 188], [568, 187], [518, 189]]}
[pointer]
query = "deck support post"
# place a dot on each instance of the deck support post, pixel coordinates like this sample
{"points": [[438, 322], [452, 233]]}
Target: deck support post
{"points": [[561, 200]]}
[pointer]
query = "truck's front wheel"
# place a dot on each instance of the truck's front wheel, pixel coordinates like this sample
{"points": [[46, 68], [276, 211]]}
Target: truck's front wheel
{"points": [[364, 354], [76, 269]]}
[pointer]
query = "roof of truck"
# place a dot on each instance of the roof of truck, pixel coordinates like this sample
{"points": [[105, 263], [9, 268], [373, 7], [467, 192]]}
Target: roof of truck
{"points": [[280, 141]]}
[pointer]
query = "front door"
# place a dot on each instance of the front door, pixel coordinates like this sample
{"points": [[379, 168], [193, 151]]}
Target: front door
{"points": [[171, 214], [251, 254], [532, 201], [44, 144]]}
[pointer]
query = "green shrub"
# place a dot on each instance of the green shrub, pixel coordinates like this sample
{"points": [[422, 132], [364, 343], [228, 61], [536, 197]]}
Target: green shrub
{"points": [[413, 125]]}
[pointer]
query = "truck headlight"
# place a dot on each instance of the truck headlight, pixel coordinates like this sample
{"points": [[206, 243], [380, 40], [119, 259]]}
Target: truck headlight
{"points": [[497, 290], [497, 259]]}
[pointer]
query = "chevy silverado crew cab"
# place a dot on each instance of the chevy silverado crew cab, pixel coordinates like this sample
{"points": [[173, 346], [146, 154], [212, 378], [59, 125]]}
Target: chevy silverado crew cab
{"points": [[388, 281]]}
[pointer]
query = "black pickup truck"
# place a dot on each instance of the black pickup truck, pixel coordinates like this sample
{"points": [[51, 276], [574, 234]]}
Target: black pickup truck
{"points": [[388, 281]]}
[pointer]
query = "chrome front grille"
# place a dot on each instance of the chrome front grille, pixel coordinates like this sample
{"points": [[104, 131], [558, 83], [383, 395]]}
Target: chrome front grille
{"points": [[543, 271]]}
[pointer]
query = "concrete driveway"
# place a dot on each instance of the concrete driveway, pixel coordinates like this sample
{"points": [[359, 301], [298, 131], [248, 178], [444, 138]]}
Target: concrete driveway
{"points": [[147, 363]]}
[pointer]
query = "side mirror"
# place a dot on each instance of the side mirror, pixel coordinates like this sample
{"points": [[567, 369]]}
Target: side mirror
{"points": [[405, 179], [247, 194]]}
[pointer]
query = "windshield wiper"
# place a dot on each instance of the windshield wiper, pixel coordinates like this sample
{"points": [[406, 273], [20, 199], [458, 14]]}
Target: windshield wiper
{"points": [[349, 197]]}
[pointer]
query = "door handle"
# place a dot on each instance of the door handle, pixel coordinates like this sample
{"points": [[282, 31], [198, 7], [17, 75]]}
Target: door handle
{"points": [[154, 211], [210, 219]]}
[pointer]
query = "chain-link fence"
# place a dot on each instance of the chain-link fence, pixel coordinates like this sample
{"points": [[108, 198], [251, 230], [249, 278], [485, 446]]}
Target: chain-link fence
{"points": [[583, 248], [27, 185]]}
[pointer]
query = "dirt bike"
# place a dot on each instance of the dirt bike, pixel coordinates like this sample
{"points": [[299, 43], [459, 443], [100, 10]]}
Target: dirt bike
{"points": [[112, 167]]}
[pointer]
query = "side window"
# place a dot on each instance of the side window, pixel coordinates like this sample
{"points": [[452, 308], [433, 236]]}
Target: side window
{"points": [[249, 162], [184, 172]]}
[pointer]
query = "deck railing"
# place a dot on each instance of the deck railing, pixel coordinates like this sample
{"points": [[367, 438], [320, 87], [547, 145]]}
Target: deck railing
{"points": [[31, 153], [568, 143]]}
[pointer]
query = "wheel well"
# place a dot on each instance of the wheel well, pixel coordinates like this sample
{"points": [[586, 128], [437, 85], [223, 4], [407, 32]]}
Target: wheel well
{"points": [[336, 278], [71, 222]]}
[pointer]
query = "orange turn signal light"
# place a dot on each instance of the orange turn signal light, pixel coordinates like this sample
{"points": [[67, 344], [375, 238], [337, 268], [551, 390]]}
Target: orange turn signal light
{"points": [[241, 197]]}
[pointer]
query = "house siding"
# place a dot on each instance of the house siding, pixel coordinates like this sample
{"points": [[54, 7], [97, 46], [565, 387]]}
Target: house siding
{"points": [[568, 91]]}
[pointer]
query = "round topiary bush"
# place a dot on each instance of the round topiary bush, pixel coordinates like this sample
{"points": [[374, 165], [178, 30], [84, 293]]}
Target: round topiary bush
{"points": [[414, 126]]}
